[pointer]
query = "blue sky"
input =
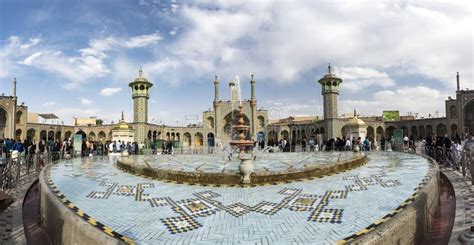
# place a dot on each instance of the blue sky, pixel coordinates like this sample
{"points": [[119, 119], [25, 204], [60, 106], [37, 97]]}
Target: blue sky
{"points": [[75, 58]]}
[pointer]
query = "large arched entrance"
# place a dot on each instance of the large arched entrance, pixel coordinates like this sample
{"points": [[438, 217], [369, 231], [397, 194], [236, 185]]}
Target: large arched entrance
{"points": [[370, 132], [429, 131], [379, 132], [51, 135], [83, 134], [389, 131], [18, 134], [91, 136], [405, 130], [149, 135], [30, 134], [469, 117], [441, 130], [284, 134], [198, 139], [414, 132], [421, 131], [43, 135], [186, 139], [102, 137], [58, 135], [67, 135], [210, 140], [261, 139], [230, 120], [454, 129], [272, 138], [3, 122]]}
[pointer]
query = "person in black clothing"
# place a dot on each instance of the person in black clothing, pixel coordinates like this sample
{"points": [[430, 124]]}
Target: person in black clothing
{"points": [[303, 144], [84, 148]]}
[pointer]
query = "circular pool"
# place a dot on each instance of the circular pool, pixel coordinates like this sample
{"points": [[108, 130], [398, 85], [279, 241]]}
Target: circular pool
{"points": [[388, 193], [224, 170]]}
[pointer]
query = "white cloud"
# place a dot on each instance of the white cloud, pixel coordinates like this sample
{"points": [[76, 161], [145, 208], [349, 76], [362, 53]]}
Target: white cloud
{"points": [[173, 31], [33, 42], [49, 104], [417, 99], [29, 60], [283, 108], [281, 41], [110, 91], [142, 41], [357, 78], [67, 113], [85, 101], [91, 61]]}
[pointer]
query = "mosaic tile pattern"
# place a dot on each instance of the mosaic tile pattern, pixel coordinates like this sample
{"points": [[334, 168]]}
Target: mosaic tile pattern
{"points": [[324, 210]]}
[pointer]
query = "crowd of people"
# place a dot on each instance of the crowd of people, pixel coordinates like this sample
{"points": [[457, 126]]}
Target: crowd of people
{"points": [[90, 147], [455, 142], [66, 147]]}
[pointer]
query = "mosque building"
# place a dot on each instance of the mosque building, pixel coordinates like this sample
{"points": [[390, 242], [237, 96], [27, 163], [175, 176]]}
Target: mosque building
{"points": [[216, 127]]}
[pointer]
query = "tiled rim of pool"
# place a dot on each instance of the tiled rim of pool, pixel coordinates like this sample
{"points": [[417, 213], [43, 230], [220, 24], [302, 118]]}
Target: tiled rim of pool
{"points": [[335, 208], [212, 170]]}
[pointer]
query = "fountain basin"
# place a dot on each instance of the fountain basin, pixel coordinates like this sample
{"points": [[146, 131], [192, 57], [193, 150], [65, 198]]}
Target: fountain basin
{"points": [[389, 200], [210, 169]]}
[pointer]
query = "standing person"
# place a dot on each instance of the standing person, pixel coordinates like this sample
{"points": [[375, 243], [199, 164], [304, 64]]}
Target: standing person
{"points": [[311, 144], [1, 148], [303, 144], [348, 145], [31, 152], [456, 152], [382, 143], [8, 147], [132, 148], [118, 146], [111, 147], [153, 148], [366, 144]]}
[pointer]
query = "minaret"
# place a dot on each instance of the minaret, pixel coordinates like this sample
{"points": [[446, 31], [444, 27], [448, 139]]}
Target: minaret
{"points": [[253, 107], [140, 94], [216, 88], [252, 88], [14, 110], [216, 107], [457, 81], [330, 91]]}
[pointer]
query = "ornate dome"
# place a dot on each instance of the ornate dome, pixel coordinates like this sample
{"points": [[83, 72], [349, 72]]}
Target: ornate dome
{"points": [[122, 124], [355, 121], [141, 78]]}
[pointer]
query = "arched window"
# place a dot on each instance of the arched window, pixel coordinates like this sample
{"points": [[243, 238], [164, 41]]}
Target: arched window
{"points": [[452, 111], [18, 116]]}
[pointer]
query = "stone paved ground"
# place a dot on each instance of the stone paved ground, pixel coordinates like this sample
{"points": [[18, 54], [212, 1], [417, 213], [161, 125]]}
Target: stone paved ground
{"points": [[464, 191], [11, 219]]}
